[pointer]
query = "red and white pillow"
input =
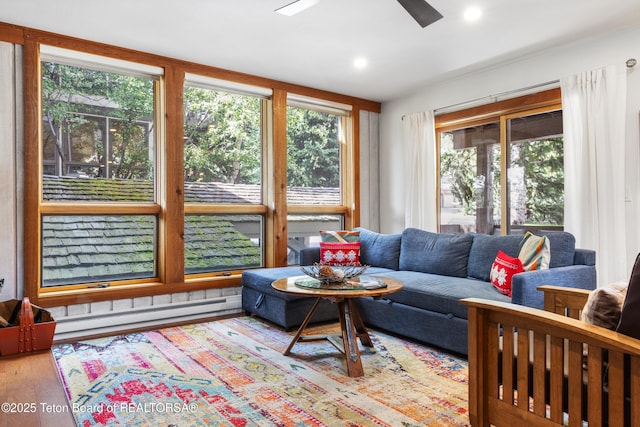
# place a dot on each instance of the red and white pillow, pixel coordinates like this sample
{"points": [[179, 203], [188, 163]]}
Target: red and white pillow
{"points": [[502, 271], [340, 248], [332, 253]]}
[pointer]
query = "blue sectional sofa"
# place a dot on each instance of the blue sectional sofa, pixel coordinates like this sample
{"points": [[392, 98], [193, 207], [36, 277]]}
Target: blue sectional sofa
{"points": [[437, 270]]}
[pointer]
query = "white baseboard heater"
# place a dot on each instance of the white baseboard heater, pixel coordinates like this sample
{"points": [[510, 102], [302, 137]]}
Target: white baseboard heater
{"points": [[142, 317]]}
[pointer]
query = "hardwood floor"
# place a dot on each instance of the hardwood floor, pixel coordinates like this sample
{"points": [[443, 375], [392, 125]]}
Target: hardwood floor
{"points": [[31, 393]]}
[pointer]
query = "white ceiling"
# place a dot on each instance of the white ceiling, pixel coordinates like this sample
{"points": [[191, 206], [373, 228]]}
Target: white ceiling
{"points": [[316, 48]]}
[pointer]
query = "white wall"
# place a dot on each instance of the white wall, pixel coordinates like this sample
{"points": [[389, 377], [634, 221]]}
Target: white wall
{"points": [[549, 65]]}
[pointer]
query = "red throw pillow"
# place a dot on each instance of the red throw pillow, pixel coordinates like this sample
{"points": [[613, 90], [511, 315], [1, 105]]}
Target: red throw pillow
{"points": [[333, 253], [502, 271]]}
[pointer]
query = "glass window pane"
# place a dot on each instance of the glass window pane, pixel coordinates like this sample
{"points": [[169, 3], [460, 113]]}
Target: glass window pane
{"points": [[98, 125], [304, 231], [470, 179], [222, 147], [222, 242], [536, 172], [313, 157], [85, 189], [97, 248]]}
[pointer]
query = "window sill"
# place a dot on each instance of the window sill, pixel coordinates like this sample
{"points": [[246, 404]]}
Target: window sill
{"points": [[136, 290]]}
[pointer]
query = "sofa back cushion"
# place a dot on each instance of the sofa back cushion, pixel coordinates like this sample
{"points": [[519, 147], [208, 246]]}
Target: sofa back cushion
{"points": [[379, 250], [563, 248], [484, 251], [446, 254]]}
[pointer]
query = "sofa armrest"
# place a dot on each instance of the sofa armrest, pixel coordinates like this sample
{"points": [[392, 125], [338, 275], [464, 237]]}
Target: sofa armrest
{"points": [[584, 257], [309, 256], [525, 285]]}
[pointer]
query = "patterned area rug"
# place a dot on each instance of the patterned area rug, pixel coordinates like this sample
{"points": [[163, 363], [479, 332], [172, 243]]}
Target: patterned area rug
{"points": [[232, 373]]}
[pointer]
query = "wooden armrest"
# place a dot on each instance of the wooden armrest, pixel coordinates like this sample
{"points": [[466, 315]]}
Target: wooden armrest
{"points": [[565, 301], [553, 388]]}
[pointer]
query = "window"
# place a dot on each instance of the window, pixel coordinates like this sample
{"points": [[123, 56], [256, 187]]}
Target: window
{"points": [[147, 176], [99, 217], [501, 167], [317, 149], [223, 150]]}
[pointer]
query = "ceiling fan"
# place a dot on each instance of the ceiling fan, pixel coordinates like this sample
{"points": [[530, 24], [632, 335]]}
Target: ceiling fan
{"points": [[420, 10]]}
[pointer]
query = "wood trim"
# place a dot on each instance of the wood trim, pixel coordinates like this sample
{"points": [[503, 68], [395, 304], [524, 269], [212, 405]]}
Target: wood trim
{"points": [[32, 173], [363, 104], [172, 220], [278, 212], [11, 33], [353, 177], [72, 296], [275, 85], [204, 209], [495, 110], [324, 209], [99, 208]]}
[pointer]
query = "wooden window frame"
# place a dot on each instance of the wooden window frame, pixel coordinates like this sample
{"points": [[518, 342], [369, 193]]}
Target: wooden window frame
{"points": [[497, 112], [170, 206]]}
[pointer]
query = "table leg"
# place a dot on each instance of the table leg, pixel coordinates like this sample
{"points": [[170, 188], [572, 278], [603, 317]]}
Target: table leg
{"points": [[302, 327], [349, 338], [361, 329]]}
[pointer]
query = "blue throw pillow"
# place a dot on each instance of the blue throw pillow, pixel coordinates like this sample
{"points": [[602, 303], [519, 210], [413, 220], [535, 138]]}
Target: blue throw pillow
{"points": [[379, 250], [484, 251], [563, 248], [446, 254]]}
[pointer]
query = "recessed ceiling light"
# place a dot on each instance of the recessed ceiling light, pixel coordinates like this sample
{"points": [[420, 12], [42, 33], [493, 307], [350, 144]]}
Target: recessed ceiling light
{"points": [[360, 62], [472, 14], [296, 7]]}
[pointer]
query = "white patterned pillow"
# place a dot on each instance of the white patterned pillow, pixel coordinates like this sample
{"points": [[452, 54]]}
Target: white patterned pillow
{"points": [[535, 252]]}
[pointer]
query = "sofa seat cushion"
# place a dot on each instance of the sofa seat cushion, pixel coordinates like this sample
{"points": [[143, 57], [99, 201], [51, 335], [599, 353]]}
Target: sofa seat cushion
{"points": [[440, 294]]}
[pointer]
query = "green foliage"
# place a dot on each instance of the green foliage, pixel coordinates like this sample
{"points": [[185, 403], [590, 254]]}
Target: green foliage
{"points": [[71, 95], [313, 148], [458, 168], [222, 137], [543, 162], [542, 166], [223, 131]]}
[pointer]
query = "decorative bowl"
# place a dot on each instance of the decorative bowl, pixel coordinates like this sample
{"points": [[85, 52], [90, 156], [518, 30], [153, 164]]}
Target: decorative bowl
{"points": [[334, 274]]}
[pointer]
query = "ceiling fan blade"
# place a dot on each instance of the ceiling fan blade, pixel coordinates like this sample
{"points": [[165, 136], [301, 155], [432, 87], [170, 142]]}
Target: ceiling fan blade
{"points": [[421, 11]]}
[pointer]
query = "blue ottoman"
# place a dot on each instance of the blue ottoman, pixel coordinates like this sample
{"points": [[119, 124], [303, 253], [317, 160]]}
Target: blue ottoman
{"points": [[287, 311]]}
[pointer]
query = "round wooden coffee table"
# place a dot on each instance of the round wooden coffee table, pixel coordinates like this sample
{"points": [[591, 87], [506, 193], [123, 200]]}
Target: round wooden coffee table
{"points": [[351, 324]]}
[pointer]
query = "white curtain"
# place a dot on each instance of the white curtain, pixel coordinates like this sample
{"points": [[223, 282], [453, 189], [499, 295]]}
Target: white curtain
{"points": [[9, 212], [594, 104], [420, 166]]}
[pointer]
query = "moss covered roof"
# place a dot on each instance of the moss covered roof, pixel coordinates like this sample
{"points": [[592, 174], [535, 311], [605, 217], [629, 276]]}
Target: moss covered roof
{"points": [[56, 188]]}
